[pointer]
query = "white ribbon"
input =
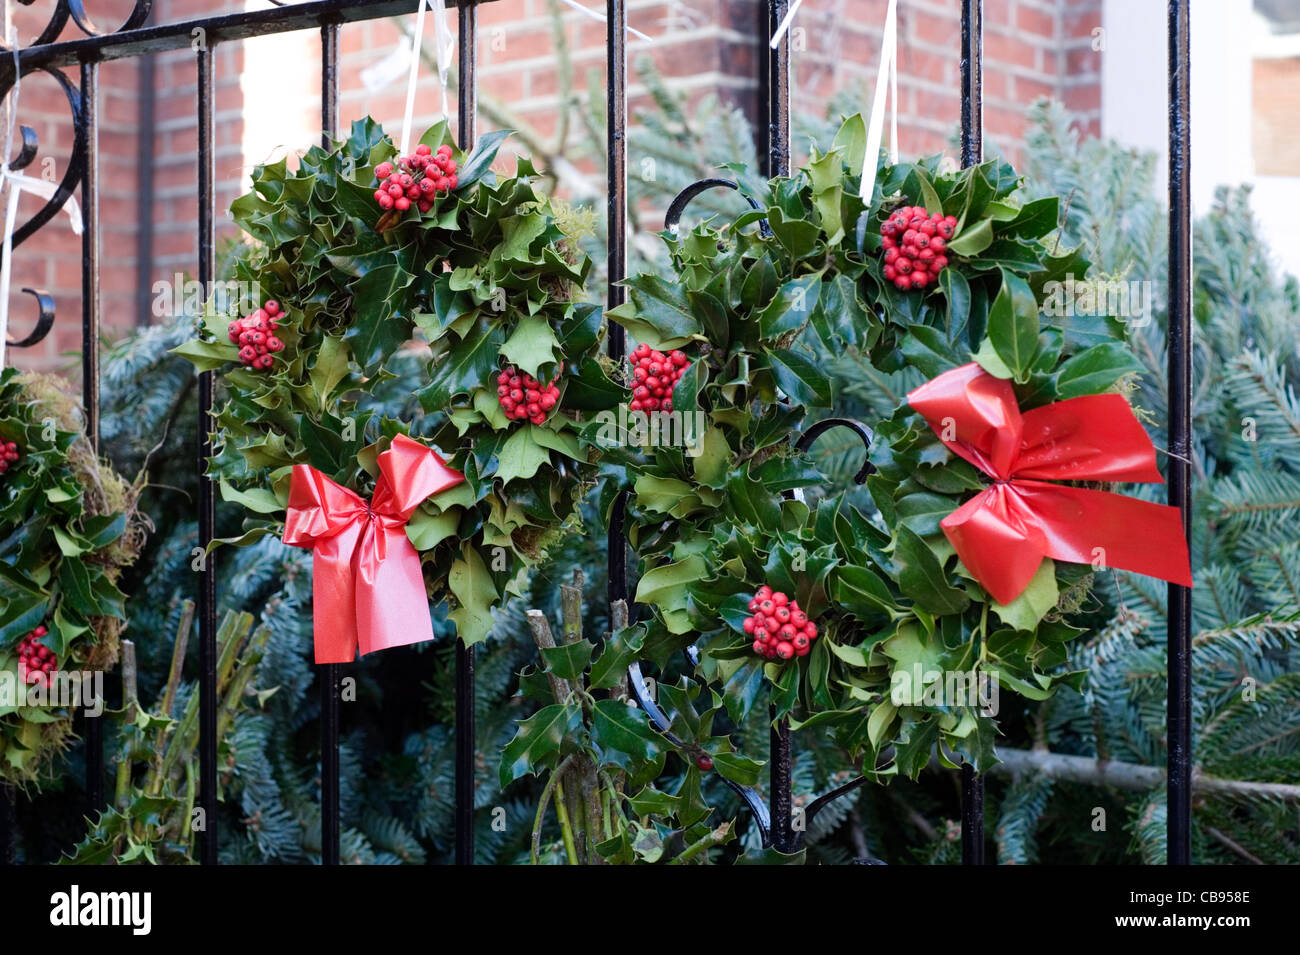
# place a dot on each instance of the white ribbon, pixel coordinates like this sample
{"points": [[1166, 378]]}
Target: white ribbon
{"points": [[597, 15], [18, 184], [417, 46], [886, 80], [784, 25]]}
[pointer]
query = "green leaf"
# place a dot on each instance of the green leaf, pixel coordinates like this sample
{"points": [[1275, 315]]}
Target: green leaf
{"points": [[1013, 325], [974, 240], [469, 364], [618, 653], [624, 735], [531, 345], [377, 331], [1035, 219], [800, 378], [739, 769], [538, 741], [1095, 369], [260, 500], [471, 584], [569, 660], [791, 307], [851, 140], [425, 531], [521, 456], [1034, 601], [207, 356], [330, 368], [921, 577], [481, 159]]}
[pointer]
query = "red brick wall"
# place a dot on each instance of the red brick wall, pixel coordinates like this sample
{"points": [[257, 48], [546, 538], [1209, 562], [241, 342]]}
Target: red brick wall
{"points": [[1032, 48]]}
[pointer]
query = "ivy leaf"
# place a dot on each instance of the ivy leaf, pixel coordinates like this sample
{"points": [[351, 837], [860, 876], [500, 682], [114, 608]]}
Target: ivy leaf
{"points": [[538, 741], [531, 345], [800, 378], [471, 584], [921, 577]]}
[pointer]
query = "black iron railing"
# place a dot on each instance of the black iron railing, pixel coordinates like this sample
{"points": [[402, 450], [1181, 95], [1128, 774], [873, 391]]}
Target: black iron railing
{"points": [[136, 39]]}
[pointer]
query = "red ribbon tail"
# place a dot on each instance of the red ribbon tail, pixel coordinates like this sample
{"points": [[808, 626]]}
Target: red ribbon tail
{"points": [[1110, 530], [392, 605], [334, 589]]}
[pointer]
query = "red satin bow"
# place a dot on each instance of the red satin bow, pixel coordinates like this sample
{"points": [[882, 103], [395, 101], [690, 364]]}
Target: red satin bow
{"points": [[1003, 533], [367, 586]]}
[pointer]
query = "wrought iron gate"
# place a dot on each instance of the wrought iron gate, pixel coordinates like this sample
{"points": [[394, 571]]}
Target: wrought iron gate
{"points": [[134, 38]]}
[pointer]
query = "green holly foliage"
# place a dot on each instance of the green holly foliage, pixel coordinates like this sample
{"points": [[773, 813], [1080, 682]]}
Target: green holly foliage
{"points": [[757, 302], [491, 276], [67, 528]]}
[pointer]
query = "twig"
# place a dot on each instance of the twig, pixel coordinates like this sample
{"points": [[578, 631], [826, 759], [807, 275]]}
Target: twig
{"points": [[708, 841], [537, 623], [542, 803], [566, 828], [1233, 847], [1084, 769]]}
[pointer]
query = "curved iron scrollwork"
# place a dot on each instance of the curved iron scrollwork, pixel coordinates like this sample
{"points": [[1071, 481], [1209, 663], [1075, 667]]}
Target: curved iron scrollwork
{"points": [[27, 155], [673, 218], [76, 11]]}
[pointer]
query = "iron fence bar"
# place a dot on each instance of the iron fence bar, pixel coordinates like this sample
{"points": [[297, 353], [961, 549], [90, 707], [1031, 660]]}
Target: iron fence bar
{"points": [[207, 603], [972, 153], [214, 30], [1179, 702], [92, 727], [616, 254], [329, 673], [466, 736], [775, 90]]}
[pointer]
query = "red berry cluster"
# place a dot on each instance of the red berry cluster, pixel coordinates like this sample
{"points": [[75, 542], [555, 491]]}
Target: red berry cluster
{"points": [[654, 375], [779, 627], [36, 659], [255, 335], [9, 455], [524, 397], [916, 244], [416, 180]]}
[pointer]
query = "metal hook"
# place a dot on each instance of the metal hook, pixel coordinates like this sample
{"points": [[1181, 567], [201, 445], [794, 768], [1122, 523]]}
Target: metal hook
{"points": [[673, 218]]}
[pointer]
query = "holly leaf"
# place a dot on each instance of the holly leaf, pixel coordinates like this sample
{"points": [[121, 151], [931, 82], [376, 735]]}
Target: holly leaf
{"points": [[521, 456], [531, 345], [921, 577], [1034, 601], [538, 741], [1013, 326], [624, 735], [481, 159], [1095, 369], [377, 331], [800, 378], [471, 584]]}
